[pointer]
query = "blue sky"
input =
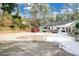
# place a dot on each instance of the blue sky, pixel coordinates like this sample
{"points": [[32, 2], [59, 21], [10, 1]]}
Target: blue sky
{"points": [[22, 8], [55, 7]]}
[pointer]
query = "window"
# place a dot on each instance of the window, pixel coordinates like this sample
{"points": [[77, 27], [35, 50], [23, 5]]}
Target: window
{"points": [[45, 27], [63, 27], [58, 28], [63, 30]]}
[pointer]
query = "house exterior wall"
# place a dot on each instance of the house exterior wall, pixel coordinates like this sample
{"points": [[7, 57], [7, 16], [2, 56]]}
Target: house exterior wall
{"points": [[61, 28]]}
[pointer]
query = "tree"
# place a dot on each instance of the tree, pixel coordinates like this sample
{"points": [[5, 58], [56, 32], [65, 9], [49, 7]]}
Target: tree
{"points": [[7, 18], [77, 25], [59, 17], [8, 7], [74, 7], [17, 15], [39, 11], [25, 10]]}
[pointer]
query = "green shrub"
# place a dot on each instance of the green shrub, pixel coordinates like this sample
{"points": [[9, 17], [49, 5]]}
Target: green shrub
{"points": [[17, 22], [77, 25]]}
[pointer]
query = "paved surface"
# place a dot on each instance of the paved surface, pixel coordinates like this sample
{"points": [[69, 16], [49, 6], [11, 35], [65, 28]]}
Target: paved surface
{"points": [[67, 43], [32, 48], [63, 38]]}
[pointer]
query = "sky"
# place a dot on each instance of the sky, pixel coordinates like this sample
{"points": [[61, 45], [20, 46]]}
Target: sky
{"points": [[56, 7]]}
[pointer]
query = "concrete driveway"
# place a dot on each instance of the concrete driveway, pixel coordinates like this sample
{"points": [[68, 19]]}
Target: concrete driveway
{"points": [[26, 43]]}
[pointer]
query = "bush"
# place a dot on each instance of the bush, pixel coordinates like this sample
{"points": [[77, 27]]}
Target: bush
{"points": [[17, 22], [77, 25], [6, 20], [35, 22]]}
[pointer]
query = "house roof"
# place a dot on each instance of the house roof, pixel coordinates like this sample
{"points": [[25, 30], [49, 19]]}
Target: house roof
{"points": [[62, 23], [57, 23]]}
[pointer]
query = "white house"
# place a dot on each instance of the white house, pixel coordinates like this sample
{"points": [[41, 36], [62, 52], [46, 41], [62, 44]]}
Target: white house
{"points": [[62, 27]]}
